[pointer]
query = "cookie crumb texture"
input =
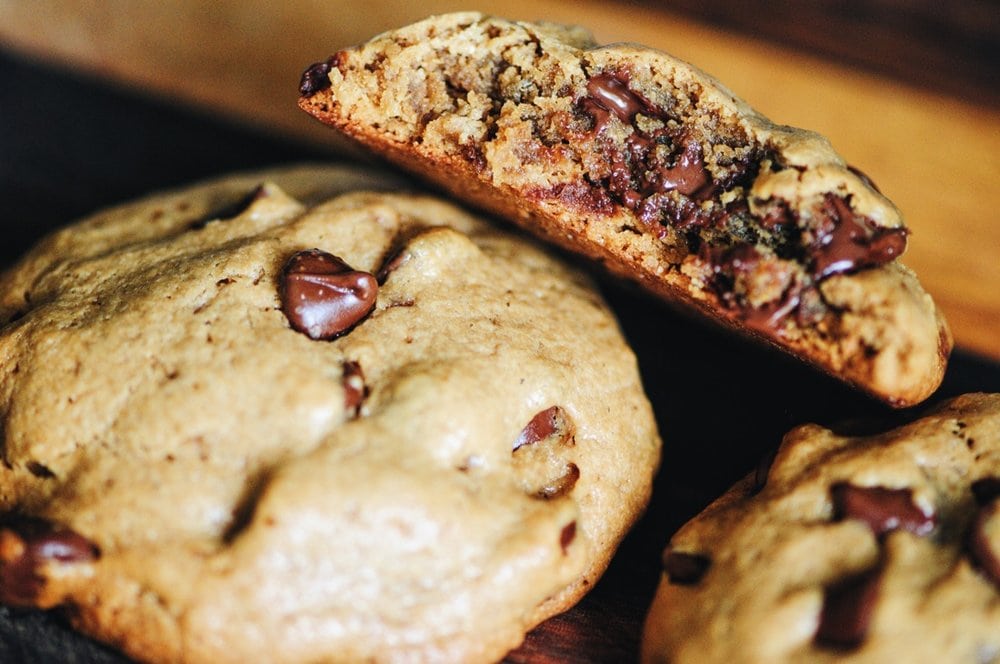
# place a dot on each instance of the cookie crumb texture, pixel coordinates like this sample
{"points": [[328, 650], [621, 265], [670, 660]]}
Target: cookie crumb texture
{"points": [[655, 170], [196, 479], [847, 549]]}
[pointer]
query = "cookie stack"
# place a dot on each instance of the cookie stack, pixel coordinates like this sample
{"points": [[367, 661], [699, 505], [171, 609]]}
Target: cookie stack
{"points": [[311, 414]]}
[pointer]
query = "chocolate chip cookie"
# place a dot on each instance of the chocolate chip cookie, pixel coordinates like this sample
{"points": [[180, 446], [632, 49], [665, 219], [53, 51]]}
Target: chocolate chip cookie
{"points": [[655, 170], [864, 549], [261, 419]]}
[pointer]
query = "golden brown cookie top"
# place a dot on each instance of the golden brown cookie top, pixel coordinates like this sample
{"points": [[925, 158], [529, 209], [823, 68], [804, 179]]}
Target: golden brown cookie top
{"points": [[264, 422]]}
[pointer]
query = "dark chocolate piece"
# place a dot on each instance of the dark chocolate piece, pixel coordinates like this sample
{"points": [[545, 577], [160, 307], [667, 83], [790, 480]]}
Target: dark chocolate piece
{"points": [[611, 93], [355, 389], [566, 536], [847, 610], [561, 485], [322, 296], [26, 545], [884, 510], [846, 241], [317, 76], [685, 569], [541, 426]]}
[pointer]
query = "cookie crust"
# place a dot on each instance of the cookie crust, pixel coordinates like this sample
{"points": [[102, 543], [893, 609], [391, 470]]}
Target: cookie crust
{"points": [[196, 480]]}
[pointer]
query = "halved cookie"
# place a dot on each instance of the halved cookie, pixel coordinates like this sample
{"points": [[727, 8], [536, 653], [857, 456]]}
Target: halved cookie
{"points": [[653, 168], [847, 548], [257, 420]]}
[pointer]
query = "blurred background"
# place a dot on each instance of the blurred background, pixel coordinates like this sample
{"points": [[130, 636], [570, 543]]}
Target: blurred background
{"points": [[907, 90]]}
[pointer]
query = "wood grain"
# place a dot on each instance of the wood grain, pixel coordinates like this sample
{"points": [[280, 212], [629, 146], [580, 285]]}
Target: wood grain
{"points": [[937, 157]]}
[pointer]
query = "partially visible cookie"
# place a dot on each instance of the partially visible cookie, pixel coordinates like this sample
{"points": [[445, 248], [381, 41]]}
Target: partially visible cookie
{"points": [[656, 170], [248, 421], [869, 549]]}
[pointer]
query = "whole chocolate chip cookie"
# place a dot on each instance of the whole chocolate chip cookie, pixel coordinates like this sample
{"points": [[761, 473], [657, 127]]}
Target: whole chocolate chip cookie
{"points": [[858, 549], [657, 171], [256, 420]]}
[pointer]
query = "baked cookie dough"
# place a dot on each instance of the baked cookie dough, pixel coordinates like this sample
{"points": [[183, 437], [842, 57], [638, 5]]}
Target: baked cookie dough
{"points": [[656, 170], [255, 420], [850, 549]]}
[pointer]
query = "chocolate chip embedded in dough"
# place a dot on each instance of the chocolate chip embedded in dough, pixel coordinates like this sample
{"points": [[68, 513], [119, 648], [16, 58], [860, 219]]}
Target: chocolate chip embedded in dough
{"points": [[567, 535], [316, 77], [847, 610], [883, 509], [541, 426], [355, 388], [685, 569], [561, 485], [847, 241], [26, 545], [322, 296]]}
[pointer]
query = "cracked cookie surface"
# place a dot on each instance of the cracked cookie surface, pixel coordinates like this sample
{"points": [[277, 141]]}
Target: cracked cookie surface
{"points": [[655, 170], [262, 419], [846, 549]]}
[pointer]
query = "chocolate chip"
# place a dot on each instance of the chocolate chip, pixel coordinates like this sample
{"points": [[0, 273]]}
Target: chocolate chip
{"points": [[567, 535], [688, 175], [322, 296], [884, 510], [611, 93], [229, 210], [986, 489], [847, 610], [541, 426], [355, 389], [28, 544], [685, 569], [984, 540], [562, 484], [846, 241], [317, 76]]}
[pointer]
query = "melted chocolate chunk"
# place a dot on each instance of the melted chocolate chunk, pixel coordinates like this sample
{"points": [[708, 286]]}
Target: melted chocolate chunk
{"points": [[984, 548], [846, 241], [322, 296], [355, 389], [884, 510], [688, 175], [847, 611], [610, 93], [685, 569], [317, 76], [541, 426], [731, 264], [29, 544]]}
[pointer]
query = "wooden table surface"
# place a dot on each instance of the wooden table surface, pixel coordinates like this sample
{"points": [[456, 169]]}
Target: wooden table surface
{"points": [[69, 145], [936, 156]]}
